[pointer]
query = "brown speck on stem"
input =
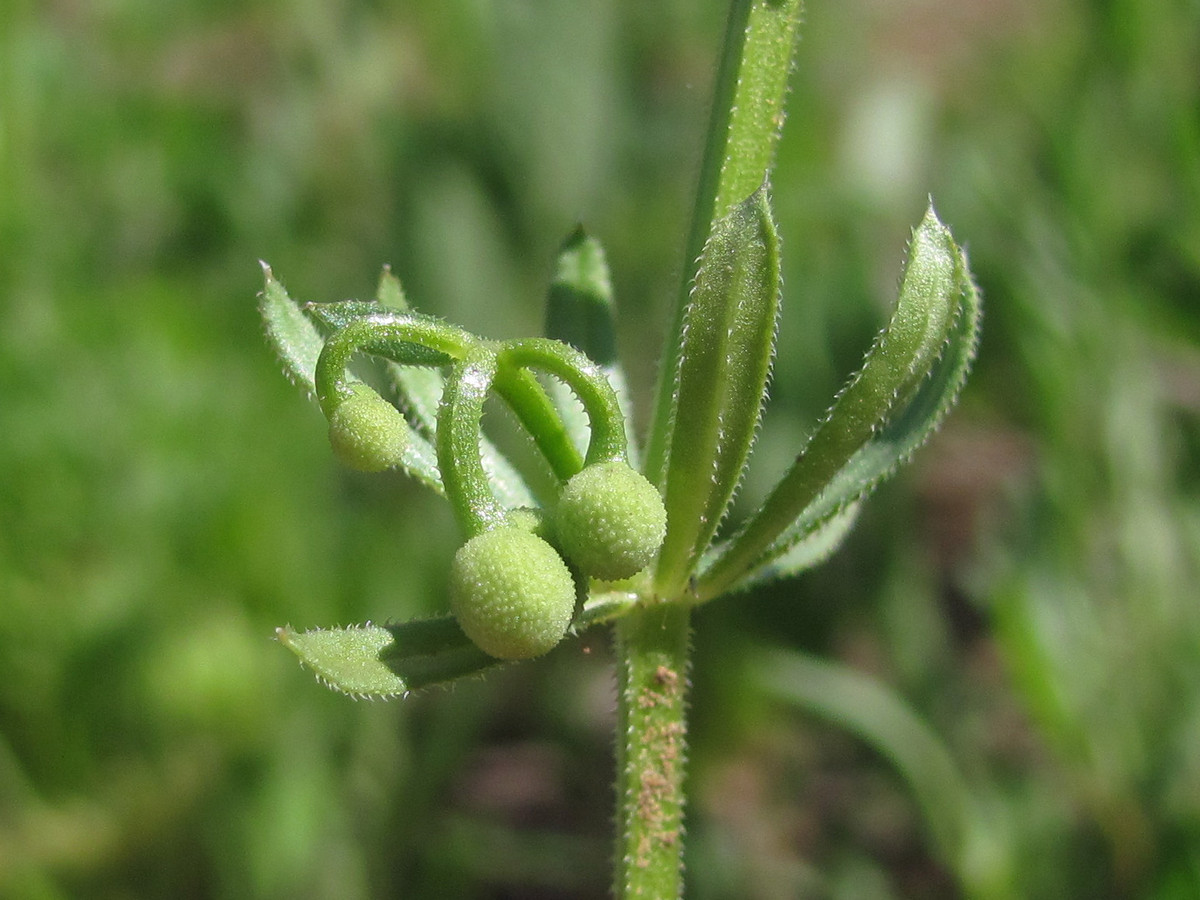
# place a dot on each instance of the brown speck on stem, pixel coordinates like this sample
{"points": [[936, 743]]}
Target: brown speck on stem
{"points": [[668, 678]]}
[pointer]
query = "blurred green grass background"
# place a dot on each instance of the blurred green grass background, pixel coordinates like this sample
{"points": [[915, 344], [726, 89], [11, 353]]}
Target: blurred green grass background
{"points": [[1029, 587]]}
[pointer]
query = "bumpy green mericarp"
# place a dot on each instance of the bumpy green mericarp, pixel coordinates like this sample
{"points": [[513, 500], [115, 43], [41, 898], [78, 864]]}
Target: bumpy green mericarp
{"points": [[367, 433], [610, 520], [511, 593]]}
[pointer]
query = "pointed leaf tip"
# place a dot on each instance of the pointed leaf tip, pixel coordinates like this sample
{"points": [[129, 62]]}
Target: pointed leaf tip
{"points": [[725, 355], [347, 659], [383, 661], [579, 308], [291, 334], [910, 379], [580, 311]]}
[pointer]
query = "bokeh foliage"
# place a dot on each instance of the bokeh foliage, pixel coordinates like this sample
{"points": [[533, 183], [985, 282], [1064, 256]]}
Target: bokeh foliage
{"points": [[1029, 589]]}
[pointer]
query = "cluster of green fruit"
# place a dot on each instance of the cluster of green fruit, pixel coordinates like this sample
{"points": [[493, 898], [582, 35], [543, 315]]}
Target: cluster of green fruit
{"points": [[518, 580]]}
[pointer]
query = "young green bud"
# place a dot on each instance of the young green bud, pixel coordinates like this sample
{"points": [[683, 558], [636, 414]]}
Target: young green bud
{"points": [[511, 593], [610, 520], [368, 433]]}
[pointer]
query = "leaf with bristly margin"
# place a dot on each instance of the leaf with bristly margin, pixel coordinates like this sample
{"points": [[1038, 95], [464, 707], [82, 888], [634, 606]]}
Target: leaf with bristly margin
{"points": [[382, 661], [909, 382], [337, 315], [807, 551], [580, 311], [727, 345], [390, 292], [387, 660], [579, 306], [293, 337], [420, 388]]}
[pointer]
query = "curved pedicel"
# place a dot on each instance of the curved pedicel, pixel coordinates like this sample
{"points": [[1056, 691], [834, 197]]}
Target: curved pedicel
{"points": [[405, 338], [607, 421]]}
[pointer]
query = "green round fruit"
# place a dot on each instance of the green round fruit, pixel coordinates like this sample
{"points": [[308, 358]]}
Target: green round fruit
{"points": [[511, 593], [367, 433], [610, 520]]}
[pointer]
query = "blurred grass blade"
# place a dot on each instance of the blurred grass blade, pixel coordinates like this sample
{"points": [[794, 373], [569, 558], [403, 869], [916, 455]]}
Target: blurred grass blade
{"points": [[909, 382], [580, 311], [387, 661], [724, 363], [876, 715], [292, 336]]}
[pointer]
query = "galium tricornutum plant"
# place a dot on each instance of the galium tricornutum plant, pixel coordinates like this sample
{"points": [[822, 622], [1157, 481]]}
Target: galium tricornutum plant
{"points": [[613, 544]]}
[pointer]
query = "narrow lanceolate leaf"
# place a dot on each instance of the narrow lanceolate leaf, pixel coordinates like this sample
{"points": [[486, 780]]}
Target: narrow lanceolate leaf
{"points": [[387, 661], [333, 317], [294, 338], [909, 381], [749, 107], [724, 363], [336, 316], [382, 661], [805, 550], [580, 312]]}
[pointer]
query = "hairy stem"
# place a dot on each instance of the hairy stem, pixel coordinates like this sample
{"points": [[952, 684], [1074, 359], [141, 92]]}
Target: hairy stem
{"points": [[652, 659]]}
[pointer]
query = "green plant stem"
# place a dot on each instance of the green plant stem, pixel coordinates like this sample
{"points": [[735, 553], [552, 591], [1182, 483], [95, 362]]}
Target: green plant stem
{"points": [[652, 671], [589, 384], [652, 641], [747, 118], [416, 334], [528, 400], [458, 443]]}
